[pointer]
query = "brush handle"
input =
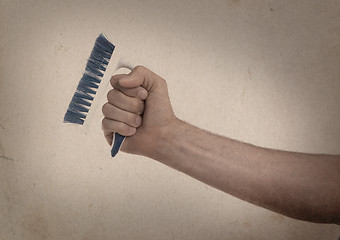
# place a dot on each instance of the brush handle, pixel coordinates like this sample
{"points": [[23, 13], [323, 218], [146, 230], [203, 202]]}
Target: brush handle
{"points": [[117, 143]]}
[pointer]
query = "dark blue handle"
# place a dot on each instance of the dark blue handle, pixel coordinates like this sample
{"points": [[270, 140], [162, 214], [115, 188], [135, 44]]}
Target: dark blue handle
{"points": [[117, 143]]}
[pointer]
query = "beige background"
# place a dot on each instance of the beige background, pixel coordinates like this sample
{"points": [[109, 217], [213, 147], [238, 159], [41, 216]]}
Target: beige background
{"points": [[264, 72]]}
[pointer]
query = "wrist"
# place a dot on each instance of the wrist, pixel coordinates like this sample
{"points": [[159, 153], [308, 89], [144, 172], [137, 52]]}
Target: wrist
{"points": [[163, 138]]}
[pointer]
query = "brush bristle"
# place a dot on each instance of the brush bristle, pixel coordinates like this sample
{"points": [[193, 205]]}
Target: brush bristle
{"points": [[89, 83]]}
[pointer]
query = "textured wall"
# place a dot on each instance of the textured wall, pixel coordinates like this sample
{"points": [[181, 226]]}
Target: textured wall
{"points": [[264, 72]]}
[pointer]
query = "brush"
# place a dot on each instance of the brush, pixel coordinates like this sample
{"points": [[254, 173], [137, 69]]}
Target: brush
{"points": [[87, 88]]}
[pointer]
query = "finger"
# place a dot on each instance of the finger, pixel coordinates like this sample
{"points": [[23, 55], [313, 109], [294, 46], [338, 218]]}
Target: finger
{"points": [[117, 114], [114, 80], [137, 92], [108, 137], [139, 76], [110, 126], [120, 100]]}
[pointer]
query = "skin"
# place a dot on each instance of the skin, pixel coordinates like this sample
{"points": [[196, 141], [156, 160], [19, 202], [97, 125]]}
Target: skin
{"points": [[298, 185]]}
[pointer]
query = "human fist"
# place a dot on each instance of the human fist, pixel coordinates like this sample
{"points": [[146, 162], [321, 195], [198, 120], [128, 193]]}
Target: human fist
{"points": [[139, 108]]}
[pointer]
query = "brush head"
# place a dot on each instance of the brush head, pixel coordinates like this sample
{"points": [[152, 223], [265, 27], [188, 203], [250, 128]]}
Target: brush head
{"points": [[89, 83]]}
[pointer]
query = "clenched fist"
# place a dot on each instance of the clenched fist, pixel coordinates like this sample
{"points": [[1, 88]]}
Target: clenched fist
{"points": [[139, 108]]}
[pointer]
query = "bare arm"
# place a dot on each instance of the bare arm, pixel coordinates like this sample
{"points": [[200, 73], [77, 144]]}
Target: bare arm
{"points": [[301, 186], [298, 185]]}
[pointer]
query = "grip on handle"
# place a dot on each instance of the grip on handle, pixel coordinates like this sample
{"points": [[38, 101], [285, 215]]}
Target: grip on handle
{"points": [[117, 143], [117, 138]]}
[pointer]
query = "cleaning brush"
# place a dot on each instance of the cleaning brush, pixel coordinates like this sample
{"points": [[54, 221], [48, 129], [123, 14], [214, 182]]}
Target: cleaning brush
{"points": [[89, 83]]}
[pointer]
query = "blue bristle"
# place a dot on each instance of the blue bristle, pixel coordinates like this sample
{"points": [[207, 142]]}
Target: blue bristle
{"points": [[85, 89], [104, 61], [93, 68], [96, 64], [80, 101], [72, 117], [90, 78], [82, 95], [86, 83], [78, 108], [89, 83]]}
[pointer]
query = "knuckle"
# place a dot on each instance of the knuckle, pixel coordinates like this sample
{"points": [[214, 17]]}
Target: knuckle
{"points": [[104, 124], [113, 95], [113, 80], [105, 108], [139, 68], [109, 94]]}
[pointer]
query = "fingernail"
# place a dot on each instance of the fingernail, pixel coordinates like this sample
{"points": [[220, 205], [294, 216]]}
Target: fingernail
{"points": [[138, 121], [132, 130], [142, 94]]}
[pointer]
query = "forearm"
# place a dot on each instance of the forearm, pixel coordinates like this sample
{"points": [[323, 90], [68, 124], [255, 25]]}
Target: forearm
{"points": [[302, 186]]}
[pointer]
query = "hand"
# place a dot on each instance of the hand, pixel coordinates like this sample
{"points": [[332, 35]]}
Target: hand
{"points": [[138, 107]]}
